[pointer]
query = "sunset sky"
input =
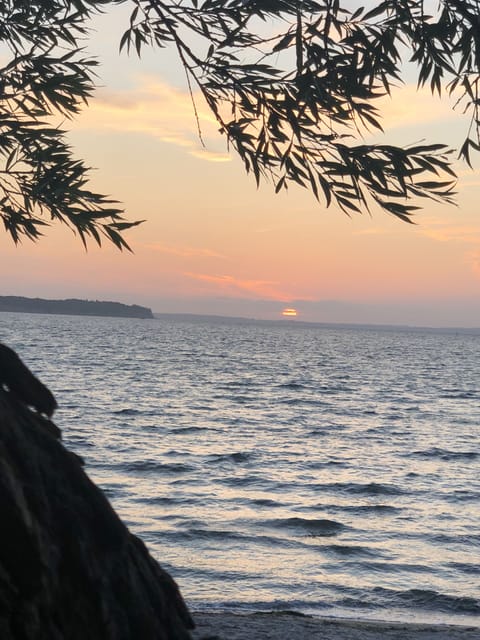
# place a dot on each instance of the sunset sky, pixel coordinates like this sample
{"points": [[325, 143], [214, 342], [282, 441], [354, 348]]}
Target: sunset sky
{"points": [[213, 243]]}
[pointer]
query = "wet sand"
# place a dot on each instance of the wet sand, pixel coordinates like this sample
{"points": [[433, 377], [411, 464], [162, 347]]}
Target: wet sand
{"points": [[290, 626]]}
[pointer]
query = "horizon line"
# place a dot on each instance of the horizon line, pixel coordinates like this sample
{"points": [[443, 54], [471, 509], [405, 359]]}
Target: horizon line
{"points": [[296, 321]]}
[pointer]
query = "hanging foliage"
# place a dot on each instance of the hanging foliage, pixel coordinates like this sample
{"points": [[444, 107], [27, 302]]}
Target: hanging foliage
{"points": [[292, 85]]}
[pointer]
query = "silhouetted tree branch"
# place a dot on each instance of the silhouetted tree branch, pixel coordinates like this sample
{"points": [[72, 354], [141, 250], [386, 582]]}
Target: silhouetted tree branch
{"points": [[293, 85]]}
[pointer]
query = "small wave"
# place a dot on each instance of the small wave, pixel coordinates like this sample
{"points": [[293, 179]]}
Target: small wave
{"points": [[460, 395], [165, 500], [126, 412], [225, 536], [292, 385], [267, 502], [311, 527], [272, 607], [445, 454], [447, 539], [463, 495], [245, 481], [238, 384], [308, 402], [212, 574], [356, 603], [388, 567], [327, 463], [465, 567], [237, 457], [146, 466], [377, 509], [187, 430], [114, 492], [359, 488], [80, 441], [241, 398], [352, 550], [201, 407], [430, 599]]}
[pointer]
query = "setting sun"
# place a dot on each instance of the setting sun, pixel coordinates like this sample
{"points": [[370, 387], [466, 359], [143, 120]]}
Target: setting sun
{"points": [[289, 313]]}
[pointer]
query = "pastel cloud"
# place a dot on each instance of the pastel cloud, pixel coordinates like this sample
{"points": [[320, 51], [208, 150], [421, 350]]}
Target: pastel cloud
{"points": [[444, 232], [230, 285], [154, 107], [211, 156], [409, 106], [460, 234]]}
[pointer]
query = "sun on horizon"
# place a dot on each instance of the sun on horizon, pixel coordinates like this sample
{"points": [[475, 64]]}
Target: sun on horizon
{"points": [[289, 313]]}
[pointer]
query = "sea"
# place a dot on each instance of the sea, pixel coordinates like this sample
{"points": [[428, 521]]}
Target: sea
{"points": [[280, 466]]}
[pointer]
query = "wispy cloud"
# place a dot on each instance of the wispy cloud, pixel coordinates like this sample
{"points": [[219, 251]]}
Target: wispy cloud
{"points": [[211, 156], [154, 107], [160, 110], [408, 106], [466, 235], [226, 284], [444, 232]]}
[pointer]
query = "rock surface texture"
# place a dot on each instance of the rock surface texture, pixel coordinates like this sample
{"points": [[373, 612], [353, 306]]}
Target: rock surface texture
{"points": [[69, 568]]}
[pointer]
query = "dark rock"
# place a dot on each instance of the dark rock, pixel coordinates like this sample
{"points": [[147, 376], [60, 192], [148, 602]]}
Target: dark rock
{"points": [[21, 383], [69, 568]]}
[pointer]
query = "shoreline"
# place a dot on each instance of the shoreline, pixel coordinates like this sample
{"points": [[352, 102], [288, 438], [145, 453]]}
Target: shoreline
{"points": [[288, 626]]}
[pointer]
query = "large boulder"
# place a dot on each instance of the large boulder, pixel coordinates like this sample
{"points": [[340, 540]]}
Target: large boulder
{"points": [[69, 568]]}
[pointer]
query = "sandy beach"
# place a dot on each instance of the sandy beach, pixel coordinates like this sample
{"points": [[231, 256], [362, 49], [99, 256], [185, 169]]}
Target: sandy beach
{"points": [[289, 626]]}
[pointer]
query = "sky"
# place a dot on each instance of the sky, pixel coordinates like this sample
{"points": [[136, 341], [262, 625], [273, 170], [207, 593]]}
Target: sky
{"points": [[212, 243]]}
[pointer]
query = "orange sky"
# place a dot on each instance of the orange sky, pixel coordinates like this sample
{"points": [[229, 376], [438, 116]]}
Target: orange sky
{"points": [[214, 243]]}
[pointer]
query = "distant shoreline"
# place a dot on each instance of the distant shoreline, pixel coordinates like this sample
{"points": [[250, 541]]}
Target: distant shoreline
{"points": [[100, 308], [200, 317], [73, 307]]}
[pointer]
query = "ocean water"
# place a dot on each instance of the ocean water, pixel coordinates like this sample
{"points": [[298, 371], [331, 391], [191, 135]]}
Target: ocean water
{"points": [[272, 466]]}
